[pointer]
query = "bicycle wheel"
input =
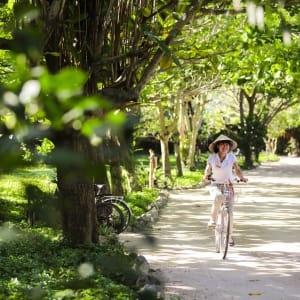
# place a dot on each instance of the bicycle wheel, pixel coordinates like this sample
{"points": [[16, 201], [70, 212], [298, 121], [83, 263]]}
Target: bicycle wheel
{"points": [[111, 216], [226, 233], [219, 233], [222, 233], [123, 206]]}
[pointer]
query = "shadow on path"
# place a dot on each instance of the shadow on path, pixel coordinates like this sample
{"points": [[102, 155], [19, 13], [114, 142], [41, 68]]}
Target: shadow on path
{"points": [[265, 263]]}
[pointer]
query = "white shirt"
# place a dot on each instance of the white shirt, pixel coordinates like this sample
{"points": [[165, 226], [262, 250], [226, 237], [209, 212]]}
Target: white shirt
{"points": [[222, 171]]}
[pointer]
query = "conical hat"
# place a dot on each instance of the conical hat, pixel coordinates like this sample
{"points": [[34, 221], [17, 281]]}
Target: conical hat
{"points": [[220, 138]]}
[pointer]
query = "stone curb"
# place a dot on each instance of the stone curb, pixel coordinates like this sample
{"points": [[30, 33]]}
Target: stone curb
{"points": [[152, 215], [150, 281]]}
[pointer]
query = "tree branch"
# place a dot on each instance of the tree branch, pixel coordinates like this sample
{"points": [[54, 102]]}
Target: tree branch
{"points": [[150, 69], [55, 14]]}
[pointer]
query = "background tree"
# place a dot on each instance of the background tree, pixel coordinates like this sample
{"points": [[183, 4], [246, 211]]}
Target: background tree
{"points": [[266, 76]]}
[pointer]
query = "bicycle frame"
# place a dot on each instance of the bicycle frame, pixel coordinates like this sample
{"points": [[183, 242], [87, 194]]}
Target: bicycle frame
{"points": [[222, 231]]}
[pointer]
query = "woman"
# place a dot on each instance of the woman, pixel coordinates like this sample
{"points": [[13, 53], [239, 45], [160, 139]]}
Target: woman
{"points": [[220, 165]]}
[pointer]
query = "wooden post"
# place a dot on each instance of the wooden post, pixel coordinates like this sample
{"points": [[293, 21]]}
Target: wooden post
{"points": [[152, 168]]}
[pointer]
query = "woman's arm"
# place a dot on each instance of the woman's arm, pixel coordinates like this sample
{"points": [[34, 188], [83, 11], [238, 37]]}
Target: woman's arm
{"points": [[207, 172], [239, 172]]}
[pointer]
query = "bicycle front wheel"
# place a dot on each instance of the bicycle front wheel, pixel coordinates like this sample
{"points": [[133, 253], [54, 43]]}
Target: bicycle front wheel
{"points": [[110, 215], [222, 233], [226, 234]]}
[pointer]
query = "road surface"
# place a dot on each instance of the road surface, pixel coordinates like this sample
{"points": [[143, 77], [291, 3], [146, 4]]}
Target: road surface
{"points": [[264, 264]]}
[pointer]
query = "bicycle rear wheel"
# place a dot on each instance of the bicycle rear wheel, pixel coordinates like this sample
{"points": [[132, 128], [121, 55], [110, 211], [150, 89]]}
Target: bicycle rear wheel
{"points": [[123, 206], [110, 215]]}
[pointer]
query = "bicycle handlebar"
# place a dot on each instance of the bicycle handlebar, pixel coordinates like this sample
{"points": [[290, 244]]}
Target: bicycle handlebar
{"points": [[237, 180]]}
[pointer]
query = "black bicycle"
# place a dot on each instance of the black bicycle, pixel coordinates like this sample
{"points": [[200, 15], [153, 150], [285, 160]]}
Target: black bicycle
{"points": [[102, 198], [110, 215], [110, 210]]}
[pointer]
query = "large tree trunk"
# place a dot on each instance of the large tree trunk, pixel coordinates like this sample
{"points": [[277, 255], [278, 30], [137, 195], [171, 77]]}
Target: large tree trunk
{"points": [[76, 178], [75, 171]]}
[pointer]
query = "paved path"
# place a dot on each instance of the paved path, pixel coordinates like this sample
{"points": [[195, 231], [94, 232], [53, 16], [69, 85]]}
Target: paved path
{"points": [[265, 263]]}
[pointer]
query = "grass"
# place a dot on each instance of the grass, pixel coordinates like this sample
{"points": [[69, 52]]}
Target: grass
{"points": [[36, 264], [263, 157]]}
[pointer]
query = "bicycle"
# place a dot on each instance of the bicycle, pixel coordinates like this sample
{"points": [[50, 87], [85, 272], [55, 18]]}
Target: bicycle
{"points": [[118, 201], [108, 212], [223, 224], [110, 215]]}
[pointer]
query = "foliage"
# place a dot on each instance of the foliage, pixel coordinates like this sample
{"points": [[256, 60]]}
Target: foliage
{"points": [[264, 157], [36, 264], [286, 119], [140, 201]]}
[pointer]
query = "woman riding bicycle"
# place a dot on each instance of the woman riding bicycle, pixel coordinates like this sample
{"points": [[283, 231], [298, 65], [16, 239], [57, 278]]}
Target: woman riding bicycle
{"points": [[220, 165]]}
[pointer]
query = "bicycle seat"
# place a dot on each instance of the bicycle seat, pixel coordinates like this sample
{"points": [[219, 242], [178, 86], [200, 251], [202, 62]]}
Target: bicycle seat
{"points": [[99, 189]]}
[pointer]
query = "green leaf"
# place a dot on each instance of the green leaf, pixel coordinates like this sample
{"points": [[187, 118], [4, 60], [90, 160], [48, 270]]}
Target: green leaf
{"points": [[116, 118], [89, 126]]}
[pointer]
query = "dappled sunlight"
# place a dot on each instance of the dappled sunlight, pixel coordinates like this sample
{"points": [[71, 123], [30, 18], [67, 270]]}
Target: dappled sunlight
{"points": [[266, 257]]}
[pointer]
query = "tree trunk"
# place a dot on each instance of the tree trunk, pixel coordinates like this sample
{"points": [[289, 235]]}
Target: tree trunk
{"points": [[152, 168], [165, 156], [248, 156], [182, 129], [164, 140], [114, 160], [132, 181], [177, 154], [75, 184], [196, 122]]}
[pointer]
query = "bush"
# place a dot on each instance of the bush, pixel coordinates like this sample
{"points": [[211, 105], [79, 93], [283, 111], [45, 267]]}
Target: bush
{"points": [[37, 264]]}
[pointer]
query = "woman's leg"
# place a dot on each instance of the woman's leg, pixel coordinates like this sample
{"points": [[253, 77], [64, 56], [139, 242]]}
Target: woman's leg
{"points": [[218, 198]]}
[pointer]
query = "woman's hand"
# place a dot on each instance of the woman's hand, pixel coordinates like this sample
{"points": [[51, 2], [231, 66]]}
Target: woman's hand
{"points": [[243, 179]]}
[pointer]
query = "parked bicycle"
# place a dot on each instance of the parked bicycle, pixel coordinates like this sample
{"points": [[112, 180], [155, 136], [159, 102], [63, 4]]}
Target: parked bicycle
{"points": [[102, 198], [110, 215], [111, 211]]}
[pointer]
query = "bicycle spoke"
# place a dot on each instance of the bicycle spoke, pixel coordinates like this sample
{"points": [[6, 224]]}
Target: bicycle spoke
{"points": [[123, 206], [111, 216]]}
